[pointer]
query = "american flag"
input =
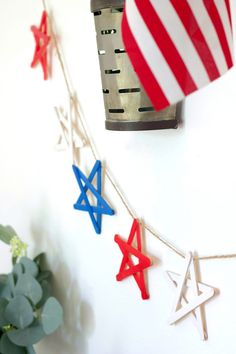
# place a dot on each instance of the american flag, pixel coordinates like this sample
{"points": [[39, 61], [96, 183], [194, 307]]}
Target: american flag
{"points": [[177, 46]]}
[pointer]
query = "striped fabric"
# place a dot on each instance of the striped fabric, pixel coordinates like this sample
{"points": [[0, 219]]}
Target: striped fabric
{"points": [[177, 46]]}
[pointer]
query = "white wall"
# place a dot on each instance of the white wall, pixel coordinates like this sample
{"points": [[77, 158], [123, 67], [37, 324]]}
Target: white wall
{"points": [[181, 182]]}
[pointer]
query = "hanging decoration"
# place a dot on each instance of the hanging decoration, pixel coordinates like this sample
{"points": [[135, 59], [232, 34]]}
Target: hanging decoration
{"points": [[200, 294], [183, 304], [127, 106], [128, 267], [83, 203], [71, 137], [42, 40], [64, 138]]}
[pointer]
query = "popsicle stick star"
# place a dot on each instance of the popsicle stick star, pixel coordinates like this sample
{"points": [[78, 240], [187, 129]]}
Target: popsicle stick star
{"points": [[128, 267], [83, 203], [41, 42], [200, 294], [64, 139]]}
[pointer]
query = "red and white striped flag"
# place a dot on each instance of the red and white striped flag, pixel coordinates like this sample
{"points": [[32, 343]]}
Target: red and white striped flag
{"points": [[177, 46]]}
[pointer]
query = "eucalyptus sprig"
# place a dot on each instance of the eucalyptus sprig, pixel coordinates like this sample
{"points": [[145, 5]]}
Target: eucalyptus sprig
{"points": [[28, 312]]}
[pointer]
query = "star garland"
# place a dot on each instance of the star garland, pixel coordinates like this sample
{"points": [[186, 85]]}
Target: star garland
{"points": [[188, 280], [90, 144]]}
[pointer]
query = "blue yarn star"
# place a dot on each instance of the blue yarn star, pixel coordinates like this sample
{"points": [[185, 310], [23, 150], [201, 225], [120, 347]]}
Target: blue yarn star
{"points": [[83, 204]]}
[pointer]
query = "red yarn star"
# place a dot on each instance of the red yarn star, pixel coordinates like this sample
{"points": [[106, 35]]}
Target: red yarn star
{"points": [[42, 40], [127, 267]]}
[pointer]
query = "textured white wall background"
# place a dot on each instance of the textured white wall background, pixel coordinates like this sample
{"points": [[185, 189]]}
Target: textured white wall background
{"points": [[181, 182]]}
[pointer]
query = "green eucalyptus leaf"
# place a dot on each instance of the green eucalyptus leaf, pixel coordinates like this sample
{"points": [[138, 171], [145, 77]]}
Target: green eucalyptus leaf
{"points": [[6, 234], [28, 286], [10, 230], [19, 312], [44, 275], [3, 305], [5, 291], [28, 336], [14, 260], [52, 315], [30, 350], [18, 269], [47, 289], [29, 266], [3, 279], [11, 282], [40, 259], [7, 347]]}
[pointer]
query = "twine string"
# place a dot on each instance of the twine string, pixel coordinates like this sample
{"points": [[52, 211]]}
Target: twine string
{"points": [[75, 104], [71, 133]]}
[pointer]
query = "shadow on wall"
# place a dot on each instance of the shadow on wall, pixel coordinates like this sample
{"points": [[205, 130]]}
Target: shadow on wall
{"points": [[79, 324]]}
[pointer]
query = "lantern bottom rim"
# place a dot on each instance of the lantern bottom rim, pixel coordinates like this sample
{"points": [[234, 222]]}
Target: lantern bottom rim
{"points": [[141, 125]]}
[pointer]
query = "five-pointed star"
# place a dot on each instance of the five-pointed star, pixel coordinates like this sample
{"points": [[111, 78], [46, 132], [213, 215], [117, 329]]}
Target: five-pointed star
{"points": [[42, 40], [200, 294], [128, 267], [68, 128], [83, 203]]}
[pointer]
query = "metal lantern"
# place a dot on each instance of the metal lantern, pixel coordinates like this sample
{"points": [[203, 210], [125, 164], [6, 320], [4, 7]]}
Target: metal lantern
{"points": [[126, 103]]}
